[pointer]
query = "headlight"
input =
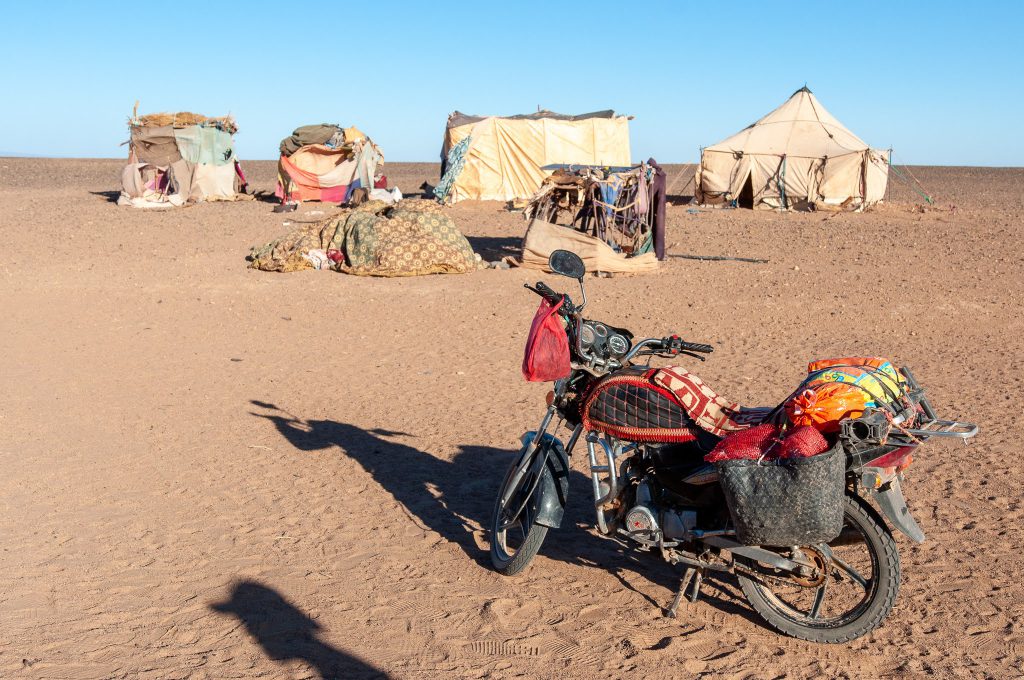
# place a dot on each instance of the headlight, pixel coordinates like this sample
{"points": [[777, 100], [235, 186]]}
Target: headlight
{"points": [[587, 335]]}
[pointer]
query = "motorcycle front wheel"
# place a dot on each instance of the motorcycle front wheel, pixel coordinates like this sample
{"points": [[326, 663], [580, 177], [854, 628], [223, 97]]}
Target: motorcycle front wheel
{"points": [[515, 536], [850, 592]]}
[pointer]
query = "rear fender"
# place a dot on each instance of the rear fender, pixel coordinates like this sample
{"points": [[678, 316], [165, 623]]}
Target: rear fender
{"points": [[553, 488], [894, 507]]}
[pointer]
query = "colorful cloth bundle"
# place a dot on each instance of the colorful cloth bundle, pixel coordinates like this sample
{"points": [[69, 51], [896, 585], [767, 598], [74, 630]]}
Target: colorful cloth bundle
{"points": [[708, 410], [412, 238], [836, 389], [877, 377]]}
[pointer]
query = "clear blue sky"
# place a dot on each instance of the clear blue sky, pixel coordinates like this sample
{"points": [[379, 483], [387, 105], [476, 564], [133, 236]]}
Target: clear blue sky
{"points": [[941, 82]]}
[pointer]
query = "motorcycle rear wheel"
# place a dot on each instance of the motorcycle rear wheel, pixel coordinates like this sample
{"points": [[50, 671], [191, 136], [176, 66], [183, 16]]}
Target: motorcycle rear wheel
{"points": [[516, 541], [863, 564]]}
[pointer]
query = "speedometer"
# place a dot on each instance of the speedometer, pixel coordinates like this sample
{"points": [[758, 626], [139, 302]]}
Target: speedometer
{"points": [[617, 344]]}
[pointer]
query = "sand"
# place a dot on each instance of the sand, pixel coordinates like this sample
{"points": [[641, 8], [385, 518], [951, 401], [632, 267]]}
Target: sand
{"points": [[214, 472]]}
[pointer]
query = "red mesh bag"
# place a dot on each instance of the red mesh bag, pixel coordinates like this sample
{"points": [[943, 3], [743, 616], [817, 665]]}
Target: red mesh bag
{"points": [[547, 349], [762, 441], [804, 442], [749, 444]]}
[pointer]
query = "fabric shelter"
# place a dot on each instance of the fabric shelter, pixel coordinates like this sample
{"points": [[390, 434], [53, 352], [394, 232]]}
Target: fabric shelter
{"points": [[177, 158], [506, 158], [798, 156], [326, 162]]}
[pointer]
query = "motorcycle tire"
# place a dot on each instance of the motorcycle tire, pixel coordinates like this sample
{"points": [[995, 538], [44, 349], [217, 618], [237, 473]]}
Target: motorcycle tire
{"points": [[503, 561], [880, 589]]}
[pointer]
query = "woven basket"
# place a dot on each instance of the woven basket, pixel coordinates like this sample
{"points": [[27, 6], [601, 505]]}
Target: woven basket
{"points": [[788, 502]]}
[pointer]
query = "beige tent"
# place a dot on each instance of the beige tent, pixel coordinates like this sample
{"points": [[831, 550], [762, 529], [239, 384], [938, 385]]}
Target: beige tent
{"points": [[797, 156], [496, 158]]}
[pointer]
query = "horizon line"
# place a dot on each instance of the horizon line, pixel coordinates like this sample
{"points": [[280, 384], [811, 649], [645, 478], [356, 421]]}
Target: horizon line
{"points": [[14, 155]]}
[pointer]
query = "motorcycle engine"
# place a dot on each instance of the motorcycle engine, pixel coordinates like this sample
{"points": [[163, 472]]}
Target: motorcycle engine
{"points": [[644, 521]]}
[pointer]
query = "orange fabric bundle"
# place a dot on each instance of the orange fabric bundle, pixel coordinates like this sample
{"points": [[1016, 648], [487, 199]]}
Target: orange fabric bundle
{"points": [[873, 362], [824, 405]]}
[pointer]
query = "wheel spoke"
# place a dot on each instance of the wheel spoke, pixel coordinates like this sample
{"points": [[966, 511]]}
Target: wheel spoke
{"points": [[819, 597], [851, 572]]}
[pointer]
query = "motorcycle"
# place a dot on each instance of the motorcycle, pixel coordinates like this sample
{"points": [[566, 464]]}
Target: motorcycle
{"points": [[653, 490]]}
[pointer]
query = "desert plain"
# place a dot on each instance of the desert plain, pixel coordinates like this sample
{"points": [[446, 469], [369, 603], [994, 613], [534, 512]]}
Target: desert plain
{"points": [[208, 471]]}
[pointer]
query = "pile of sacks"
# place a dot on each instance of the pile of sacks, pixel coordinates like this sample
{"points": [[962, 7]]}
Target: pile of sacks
{"points": [[412, 238], [834, 390]]}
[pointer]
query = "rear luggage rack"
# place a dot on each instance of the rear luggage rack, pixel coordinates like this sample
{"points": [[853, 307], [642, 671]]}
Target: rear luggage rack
{"points": [[944, 428]]}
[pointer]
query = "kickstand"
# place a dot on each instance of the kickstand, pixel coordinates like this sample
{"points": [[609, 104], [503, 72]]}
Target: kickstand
{"points": [[696, 575]]}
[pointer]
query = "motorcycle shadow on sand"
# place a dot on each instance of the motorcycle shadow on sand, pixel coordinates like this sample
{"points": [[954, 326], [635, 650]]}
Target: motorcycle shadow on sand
{"points": [[455, 499]]}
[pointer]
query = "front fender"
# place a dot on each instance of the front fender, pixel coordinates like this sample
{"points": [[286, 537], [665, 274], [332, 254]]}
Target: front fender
{"points": [[894, 507], [553, 489]]}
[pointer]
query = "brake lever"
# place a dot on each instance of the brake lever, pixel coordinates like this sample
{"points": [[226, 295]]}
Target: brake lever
{"points": [[529, 287], [669, 354]]}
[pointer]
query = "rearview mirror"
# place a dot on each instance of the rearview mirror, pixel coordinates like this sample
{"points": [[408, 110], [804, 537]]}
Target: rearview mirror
{"points": [[567, 263]]}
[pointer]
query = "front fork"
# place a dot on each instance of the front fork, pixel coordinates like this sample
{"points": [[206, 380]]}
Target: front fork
{"points": [[606, 490], [544, 464], [603, 457]]}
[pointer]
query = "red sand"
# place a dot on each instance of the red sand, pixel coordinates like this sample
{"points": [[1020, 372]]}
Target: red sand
{"points": [[213, 472]]}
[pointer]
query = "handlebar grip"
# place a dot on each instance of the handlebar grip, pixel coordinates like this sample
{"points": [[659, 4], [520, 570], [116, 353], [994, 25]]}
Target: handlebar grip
{"points": [[554, 298], [544, 288], [546, 291], [675, 344]]}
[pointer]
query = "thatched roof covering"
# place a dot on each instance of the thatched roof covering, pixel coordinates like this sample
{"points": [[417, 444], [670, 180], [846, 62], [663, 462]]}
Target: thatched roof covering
{"points": [[184, 119]]}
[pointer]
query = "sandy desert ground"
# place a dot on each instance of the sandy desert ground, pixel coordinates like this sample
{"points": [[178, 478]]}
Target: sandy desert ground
{"points": [[214, 472]]}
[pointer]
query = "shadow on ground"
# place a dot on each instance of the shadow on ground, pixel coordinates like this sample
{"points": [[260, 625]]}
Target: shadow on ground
{"points": [[455, 499], [679, 199], [492, 248], [286, 633], [110, 196]]}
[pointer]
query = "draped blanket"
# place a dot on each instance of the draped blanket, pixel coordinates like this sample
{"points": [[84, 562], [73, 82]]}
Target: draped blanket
{"points": [[413, 238]]}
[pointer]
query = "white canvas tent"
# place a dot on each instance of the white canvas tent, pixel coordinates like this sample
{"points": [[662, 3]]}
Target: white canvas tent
{"points": [[502, 158], [798, 156]]}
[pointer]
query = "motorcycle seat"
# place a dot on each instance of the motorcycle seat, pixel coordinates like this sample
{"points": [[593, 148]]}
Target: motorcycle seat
{"points": [[706, 408]]}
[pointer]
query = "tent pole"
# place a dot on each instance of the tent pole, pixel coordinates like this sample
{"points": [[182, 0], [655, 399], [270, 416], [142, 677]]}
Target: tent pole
{"points": [[887, 176], [782, 182]]}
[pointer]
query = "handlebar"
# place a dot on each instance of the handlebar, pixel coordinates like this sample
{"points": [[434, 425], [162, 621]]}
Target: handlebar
{"points": [[675, 344], [671, 345]]}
